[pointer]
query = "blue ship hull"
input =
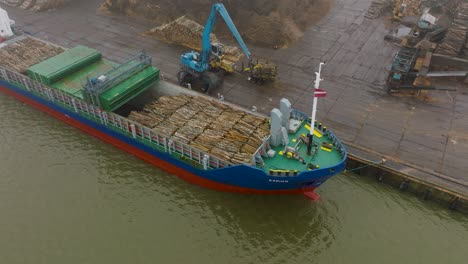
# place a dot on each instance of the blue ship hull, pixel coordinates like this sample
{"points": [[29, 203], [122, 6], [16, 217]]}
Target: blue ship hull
{"points": [[237, 178]]}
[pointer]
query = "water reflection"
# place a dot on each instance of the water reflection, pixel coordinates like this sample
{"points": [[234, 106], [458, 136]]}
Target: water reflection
{"points": [[275, 223], [65, 192]]}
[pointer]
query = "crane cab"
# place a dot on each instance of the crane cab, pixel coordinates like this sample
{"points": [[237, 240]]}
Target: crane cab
{"points": [[217, 49], [217, 61]]}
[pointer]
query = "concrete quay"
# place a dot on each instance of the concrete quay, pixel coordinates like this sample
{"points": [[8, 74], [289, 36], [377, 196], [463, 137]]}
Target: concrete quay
{"points": [[424, 140]]}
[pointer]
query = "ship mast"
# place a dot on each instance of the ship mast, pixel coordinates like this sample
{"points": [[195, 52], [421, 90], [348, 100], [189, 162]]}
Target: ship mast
{"points": [[314, 106]]}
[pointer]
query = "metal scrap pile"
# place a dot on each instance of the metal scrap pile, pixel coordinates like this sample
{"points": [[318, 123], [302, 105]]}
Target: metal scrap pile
{"points": [[455, 41], [213, 127], [22, 54]]}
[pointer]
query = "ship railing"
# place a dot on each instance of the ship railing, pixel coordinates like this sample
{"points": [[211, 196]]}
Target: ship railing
{"points": [[122, 125], [337, 144]]}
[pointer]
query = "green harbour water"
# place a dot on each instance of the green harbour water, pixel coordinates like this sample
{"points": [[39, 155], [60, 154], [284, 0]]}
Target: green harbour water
{"points": [[66, 197]]}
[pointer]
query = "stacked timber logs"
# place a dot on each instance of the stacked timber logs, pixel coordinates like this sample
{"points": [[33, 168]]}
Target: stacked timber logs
{"points": [[210, 126], [35, 5], [21, 55], [188, 33], [377, 7], [264, 71], [181, 31], [411, 7], [455, 41]]}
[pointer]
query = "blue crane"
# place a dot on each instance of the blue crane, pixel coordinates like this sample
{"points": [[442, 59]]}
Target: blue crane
{"points": [[196, 65]]}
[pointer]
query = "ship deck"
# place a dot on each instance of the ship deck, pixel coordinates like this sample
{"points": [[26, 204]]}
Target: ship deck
{"points": [[323, 158]]}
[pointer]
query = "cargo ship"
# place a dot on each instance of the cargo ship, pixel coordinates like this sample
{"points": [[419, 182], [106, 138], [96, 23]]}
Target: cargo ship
{"points": [[201, 139]]}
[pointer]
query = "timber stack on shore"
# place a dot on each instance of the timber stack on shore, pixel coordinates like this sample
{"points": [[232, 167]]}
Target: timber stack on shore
{"points": [[455, 41], [35, 5], [188, 33]]}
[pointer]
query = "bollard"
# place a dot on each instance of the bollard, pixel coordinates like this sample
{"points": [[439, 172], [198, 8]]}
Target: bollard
{"points": [[381, 177], [427, 194], [454, 203], [404, 185]]}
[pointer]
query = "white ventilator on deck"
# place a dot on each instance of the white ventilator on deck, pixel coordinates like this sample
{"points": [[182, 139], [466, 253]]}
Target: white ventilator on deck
{"points": [[279, 123], [5, 24], [275, 127], [285, 108]]}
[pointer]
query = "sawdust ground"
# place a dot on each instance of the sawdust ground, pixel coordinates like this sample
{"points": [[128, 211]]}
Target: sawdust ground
{"points": [[270, 23]]}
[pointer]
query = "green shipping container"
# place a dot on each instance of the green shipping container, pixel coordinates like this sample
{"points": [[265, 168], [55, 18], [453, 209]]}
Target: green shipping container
{"points": [[64, 64], [129, 88]]}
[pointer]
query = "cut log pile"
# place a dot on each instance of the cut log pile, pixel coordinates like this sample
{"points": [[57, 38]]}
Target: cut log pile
{"points": [[35, 5], [455, 41], [210, 126], [188, 33], [264, 70], [411, 7], [377, 7], [23, 54]]}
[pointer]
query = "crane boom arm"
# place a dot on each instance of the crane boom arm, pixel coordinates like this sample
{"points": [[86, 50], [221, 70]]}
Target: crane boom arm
{"points": [[206, 45]]}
